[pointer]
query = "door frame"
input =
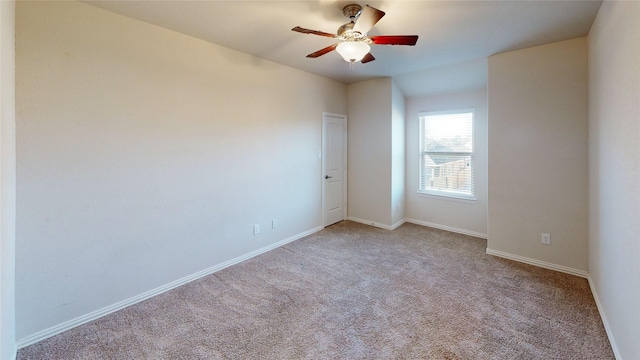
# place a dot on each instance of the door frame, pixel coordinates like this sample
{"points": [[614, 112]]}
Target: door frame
{"points": [[344, 164]]}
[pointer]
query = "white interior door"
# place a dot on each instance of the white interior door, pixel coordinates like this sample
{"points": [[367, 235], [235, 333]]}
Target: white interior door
{"points": [[334, 168]]}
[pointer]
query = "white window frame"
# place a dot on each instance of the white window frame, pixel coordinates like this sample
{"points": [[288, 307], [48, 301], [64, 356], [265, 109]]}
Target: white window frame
{"points": [[452, 195]]}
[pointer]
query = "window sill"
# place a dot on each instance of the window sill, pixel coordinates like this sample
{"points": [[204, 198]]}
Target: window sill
{"points": [[448, 197]]}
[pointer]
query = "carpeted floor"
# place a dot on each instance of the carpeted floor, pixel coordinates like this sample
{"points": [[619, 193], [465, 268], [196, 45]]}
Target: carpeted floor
{"points": [[355, 292]]}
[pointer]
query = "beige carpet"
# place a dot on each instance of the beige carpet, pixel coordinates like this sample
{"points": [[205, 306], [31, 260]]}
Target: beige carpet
{"points": [[355, 292]]}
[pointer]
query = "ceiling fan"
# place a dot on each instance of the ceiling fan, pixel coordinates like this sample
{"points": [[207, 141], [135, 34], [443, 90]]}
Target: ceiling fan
{"points": [[354, 42]]}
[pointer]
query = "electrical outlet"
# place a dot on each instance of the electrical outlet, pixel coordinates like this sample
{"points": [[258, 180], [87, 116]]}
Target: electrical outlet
{"points": [[274, 223], [546, 239], [256, 229]]}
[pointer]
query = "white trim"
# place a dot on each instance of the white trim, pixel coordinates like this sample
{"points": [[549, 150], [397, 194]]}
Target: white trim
{"points": [[441, 195], [396, 225], [539, 263], [54, 330], [448, 228], [509, 256], [417, 222], [447, 112], [374, 223], [335, 115], [605, 322]]}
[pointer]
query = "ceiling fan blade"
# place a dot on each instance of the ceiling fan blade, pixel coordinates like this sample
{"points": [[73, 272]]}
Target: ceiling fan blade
{"points": [[367, 58], [367, 19], [321, 52], [395, 40], [314, 32]]}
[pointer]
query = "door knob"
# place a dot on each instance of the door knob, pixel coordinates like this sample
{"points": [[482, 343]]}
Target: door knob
{"points": [[328, 177]]}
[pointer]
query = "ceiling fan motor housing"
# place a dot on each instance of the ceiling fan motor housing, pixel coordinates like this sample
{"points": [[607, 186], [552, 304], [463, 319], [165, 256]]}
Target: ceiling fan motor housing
{"points": [[352, 11], [345, 29]]}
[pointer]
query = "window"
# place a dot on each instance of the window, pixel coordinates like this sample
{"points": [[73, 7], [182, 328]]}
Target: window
{"points": [[446, 154]]}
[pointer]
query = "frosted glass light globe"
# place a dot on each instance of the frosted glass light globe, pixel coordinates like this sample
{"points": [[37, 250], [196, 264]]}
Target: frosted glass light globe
{"points": [[352, 51]]}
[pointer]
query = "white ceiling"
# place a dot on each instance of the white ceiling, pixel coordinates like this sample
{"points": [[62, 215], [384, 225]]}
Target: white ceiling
{"points": [[450, 32]]}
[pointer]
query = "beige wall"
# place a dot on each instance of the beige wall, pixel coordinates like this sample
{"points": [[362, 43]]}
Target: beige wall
{"points": [[370, 153], [538, 154], [614, 172], [141, 159], [145, 156], [7, 180], [456, 215]]}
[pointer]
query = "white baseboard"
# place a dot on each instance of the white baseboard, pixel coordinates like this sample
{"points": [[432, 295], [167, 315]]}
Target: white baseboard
{"points": [[54, 330], [375, 223], [44, 334], [539, 263], [447, 228], [417, 222], [605, 322], [396, 225], [571, 271]]}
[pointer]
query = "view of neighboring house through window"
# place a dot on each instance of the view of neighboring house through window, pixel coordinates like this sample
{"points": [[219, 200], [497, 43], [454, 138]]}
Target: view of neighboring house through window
{"points": [[446, 153]]}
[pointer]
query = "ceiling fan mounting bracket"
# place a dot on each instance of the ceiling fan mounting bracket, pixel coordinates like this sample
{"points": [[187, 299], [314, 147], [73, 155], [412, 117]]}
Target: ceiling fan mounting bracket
{"points": [[352, 11]]}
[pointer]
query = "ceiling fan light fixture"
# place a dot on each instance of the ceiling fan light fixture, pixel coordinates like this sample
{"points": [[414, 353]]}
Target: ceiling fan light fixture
{"points": [[353, 41], [352, 51]]}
